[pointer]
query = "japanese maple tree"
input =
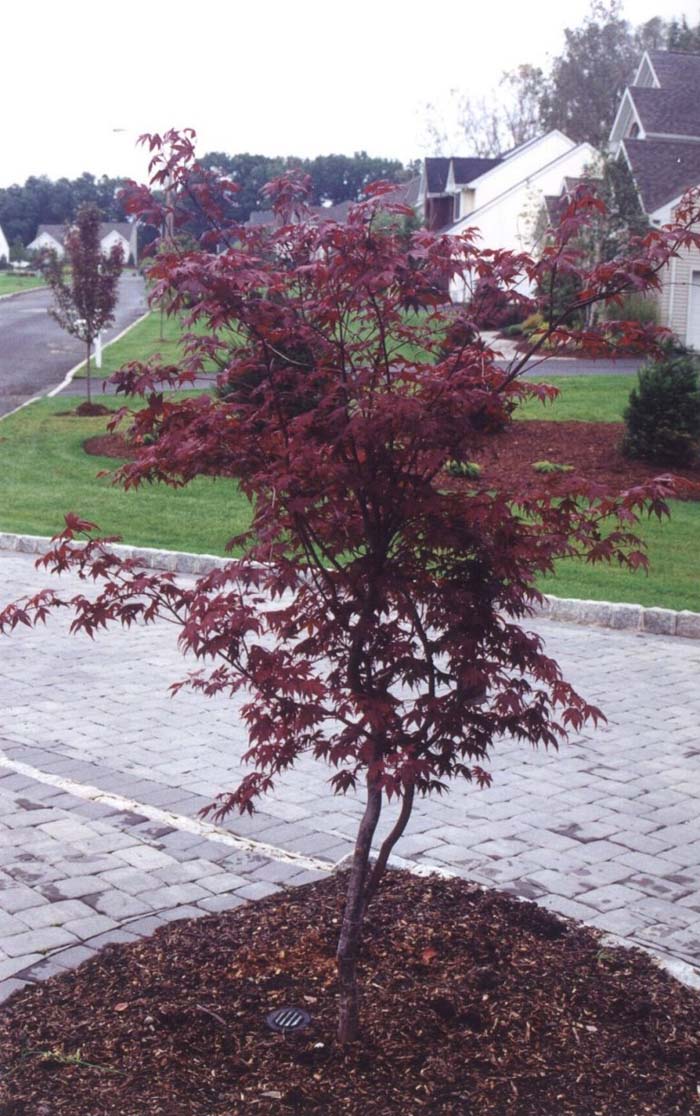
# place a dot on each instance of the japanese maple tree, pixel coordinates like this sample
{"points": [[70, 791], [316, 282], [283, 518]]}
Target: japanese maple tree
{"points": [[376, 618], [85, 299]]}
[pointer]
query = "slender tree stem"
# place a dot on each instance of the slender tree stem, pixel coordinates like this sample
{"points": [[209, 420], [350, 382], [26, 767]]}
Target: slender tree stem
{"points": [[389, 842], [89, 386], [353, 917]]}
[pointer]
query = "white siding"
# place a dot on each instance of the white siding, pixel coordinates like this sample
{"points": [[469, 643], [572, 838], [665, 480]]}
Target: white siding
{"points": [[4, 247], [112, 238], [510, 221], [46, 241]]}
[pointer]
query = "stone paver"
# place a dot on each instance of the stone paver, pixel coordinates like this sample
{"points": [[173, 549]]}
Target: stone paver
{"points": [[606, 830]]}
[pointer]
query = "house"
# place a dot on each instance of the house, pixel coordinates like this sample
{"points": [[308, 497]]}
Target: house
{"points": [[121, 233], [4, 248], [657, 133], [500, 197], [406, 193]]}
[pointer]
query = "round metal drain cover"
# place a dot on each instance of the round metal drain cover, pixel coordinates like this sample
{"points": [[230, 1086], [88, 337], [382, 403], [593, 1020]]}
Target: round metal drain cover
{"points": [[286, 1020]]}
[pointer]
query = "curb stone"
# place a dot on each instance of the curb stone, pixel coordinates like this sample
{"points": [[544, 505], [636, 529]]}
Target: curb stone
{"points": [[602, 614]]}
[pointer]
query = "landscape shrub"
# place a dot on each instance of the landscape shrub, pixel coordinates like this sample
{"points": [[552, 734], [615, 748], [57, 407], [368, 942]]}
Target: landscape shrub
{"points": [[663, 417], [494, 308], [634, 308], [463, 469]]}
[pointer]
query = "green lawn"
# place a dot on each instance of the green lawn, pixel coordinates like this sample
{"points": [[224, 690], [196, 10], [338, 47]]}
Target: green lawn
{"points": [[142, 342], [45, 473], [672, 581], [10, 282], [583, 399]]}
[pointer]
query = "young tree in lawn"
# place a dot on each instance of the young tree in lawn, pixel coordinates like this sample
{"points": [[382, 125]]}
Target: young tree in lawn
{"points": [[85, 301], [375, 619]]}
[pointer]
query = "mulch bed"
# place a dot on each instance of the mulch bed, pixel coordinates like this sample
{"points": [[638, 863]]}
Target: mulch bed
{"points": [[86, 410], [592, 448], [474, 1003]]}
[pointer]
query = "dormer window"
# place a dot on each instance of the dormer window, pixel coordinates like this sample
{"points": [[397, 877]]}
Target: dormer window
{"points": [[633, 131]]}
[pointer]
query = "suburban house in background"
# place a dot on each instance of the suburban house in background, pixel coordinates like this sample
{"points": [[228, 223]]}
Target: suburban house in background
{"points": [[500, 197], [122, 233], [657, 132], [406, 193], [4, 247]]}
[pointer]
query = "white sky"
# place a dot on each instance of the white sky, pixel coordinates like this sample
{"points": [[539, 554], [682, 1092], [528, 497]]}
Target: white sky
{"points": [[300, 77]]}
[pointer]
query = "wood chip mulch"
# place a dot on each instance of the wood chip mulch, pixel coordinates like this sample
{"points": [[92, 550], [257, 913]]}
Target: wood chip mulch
{"points": [[474, 1004], [591, 448]]}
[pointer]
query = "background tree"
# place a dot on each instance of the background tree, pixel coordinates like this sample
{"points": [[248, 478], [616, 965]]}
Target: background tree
{"points": [[41, 201], [375, 620], [579, 94], [85, 299]]}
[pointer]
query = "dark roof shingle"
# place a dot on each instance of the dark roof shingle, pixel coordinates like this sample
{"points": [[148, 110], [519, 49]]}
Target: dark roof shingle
{"points": [[676, 69], [437, 168], [663, 169], [466, 170], [672, 111]]}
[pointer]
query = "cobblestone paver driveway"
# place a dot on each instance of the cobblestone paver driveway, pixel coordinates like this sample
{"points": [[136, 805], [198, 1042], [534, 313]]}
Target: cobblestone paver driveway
{"points": [[102, 775]]}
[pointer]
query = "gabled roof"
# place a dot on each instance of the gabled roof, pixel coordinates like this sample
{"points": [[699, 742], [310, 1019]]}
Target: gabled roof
{"points": [[58, 232], [673, 111], [676, 69], [662, 169], [466, 170], [437, 169]]}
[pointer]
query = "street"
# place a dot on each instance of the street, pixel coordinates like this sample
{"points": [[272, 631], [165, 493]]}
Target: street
{"points": [[36, 354]]}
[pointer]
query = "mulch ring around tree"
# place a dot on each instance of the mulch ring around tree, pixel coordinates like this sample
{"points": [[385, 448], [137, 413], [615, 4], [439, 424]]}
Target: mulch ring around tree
{"points": [[86, 410], [472, 1003], [592, 449]]}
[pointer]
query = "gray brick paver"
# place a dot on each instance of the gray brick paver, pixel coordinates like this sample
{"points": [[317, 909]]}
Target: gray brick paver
{"points": [[614, 809]]}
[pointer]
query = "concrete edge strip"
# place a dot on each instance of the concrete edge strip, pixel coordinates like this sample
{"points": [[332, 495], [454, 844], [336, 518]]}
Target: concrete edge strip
{"points": [[683, 971], [18, 294], [68, 378], [206, 830], [604, 614]]}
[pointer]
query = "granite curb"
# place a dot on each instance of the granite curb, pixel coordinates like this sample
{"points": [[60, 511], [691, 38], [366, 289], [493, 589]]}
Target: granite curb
{"points": [[601, 614], [18, 294]]}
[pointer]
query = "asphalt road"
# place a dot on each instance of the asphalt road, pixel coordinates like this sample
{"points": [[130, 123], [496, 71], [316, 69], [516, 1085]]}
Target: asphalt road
{"points": [[36, 354]]}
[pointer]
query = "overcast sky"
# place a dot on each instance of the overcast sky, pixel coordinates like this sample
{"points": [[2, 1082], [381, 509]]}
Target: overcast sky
{"points": [[80, 80]]}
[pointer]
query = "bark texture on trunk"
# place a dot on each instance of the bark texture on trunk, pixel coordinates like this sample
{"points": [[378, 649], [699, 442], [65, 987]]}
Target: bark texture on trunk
{"points": [[353, 918], [389, 842], [89, 385]]}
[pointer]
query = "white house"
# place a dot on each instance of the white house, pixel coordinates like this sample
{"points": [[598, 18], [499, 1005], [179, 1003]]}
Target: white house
{"points": [[4, 247], [122, 233], [657, 132], [500, 197]]}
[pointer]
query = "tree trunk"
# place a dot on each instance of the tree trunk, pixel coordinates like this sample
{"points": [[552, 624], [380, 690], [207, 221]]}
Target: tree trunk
{"points": [[353, 918], [389, 842], [89, 386]]}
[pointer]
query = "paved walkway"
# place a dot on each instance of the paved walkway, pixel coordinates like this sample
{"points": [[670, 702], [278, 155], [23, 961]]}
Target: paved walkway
{"points": [[102, 774]]}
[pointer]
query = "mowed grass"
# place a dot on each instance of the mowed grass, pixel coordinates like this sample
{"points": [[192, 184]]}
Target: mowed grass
{"points": [[46, 473], [582, 399], [673, 580], [151, 337], [11, 283]]}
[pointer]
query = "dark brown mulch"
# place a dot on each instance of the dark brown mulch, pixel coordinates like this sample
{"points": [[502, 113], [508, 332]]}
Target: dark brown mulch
{"points": [[86, 410], [473, 1003], [592, 448], [110, 445]]}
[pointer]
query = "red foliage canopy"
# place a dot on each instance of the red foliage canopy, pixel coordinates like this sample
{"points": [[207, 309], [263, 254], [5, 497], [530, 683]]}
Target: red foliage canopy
{"points": [[375, 618]]}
